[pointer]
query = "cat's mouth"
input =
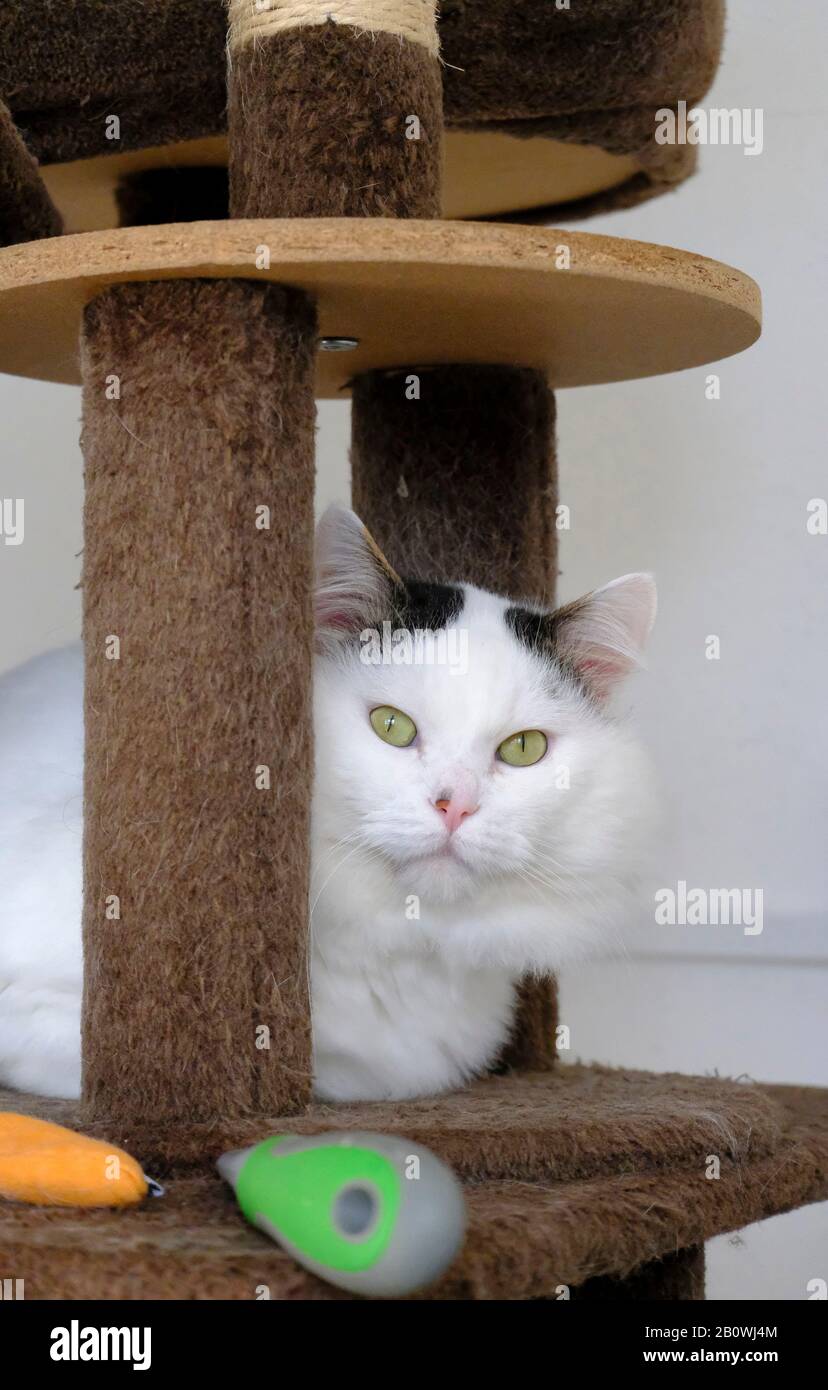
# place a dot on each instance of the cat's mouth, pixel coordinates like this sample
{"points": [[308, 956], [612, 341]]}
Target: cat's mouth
{"points": [[447, 853], [448, 860], [440, 874]]}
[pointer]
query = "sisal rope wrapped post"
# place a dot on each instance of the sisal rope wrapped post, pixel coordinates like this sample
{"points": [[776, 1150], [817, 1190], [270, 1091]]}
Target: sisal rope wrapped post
{"points": [[335, 108], [459, 481]]}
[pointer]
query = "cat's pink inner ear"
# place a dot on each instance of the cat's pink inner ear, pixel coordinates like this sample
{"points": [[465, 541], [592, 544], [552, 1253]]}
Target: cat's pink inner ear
{"points": [[352, 575], [336, 611], [605, 636], [603, 670], [333, 618]]}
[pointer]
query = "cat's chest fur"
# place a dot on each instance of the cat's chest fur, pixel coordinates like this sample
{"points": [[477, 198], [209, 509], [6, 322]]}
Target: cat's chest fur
{"points": [[405, 1027], [403, 1023]]}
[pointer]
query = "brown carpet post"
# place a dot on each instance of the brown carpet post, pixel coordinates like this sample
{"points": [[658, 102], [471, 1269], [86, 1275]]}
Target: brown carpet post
{"points": [[26, 210], [462, 484], [331, 121], [198, 441]]}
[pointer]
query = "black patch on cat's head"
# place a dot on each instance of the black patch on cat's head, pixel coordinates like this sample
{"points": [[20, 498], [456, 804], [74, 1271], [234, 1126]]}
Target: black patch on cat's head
{"points": [[540, 633], [536, 631], [424, 607]]}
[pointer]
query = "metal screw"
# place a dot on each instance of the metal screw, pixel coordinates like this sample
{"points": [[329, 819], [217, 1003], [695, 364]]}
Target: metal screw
{"points": [[338, 344]]}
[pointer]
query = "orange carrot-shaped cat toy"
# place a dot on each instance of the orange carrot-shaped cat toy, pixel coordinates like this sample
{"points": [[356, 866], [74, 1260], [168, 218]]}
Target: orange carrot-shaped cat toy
{"points": [[48, 1165]]}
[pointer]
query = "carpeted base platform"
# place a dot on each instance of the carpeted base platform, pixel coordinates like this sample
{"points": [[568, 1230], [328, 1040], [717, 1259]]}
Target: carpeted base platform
{"points": [[525, 1239], [572, 1123]]}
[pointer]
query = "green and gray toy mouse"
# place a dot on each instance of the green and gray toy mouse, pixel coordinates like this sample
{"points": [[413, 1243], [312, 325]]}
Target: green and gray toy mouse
{"points": [[371, 1213]]}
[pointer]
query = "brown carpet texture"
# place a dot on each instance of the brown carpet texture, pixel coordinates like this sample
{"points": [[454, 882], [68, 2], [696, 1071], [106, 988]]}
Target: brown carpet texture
{"points": [[525, 60], [66, 65], [198, 412], [595, 73], [462, 483], [26, 210], [459, 483], [525, 1238], [576, 1122], [317, 121]]}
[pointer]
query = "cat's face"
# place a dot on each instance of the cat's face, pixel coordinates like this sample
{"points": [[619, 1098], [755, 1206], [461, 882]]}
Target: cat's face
{"points": [[479, 759]]}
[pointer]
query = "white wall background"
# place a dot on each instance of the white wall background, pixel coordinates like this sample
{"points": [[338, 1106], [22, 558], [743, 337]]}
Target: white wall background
{"points": [[710, 495]]}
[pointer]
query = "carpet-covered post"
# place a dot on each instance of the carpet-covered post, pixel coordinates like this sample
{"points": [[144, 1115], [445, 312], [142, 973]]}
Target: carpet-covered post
{"points": [[198, 420], [335, 108]]}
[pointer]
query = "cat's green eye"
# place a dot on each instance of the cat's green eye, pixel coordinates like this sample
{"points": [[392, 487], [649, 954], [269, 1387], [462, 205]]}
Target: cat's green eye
{"points": [[523, 749], [392, 726]]}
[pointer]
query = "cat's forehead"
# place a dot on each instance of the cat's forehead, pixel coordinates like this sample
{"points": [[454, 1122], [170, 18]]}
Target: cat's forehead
{"points": [[501, 624], [466, 652]]}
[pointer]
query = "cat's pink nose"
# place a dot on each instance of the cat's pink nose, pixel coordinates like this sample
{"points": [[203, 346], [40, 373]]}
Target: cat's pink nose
{"points": [[455, 809]]}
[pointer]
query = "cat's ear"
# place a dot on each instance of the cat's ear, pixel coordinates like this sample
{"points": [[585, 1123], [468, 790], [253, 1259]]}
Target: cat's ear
{"points": [[602, 636], [354, 581]]}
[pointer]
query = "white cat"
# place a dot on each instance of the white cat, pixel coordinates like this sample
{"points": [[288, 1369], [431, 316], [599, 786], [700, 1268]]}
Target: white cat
{"points": [[477, 815]]}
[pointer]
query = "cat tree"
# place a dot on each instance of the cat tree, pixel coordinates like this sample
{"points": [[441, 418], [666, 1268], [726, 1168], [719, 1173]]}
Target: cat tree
{"points": [[202, 349]]}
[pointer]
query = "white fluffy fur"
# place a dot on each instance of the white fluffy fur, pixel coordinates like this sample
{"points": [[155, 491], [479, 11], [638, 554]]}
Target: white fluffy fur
{"points": [[415, 946], [41, 752]]}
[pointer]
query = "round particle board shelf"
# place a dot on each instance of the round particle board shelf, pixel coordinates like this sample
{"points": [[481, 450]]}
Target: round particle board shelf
{"points": [[486, 174], [582, 308]]}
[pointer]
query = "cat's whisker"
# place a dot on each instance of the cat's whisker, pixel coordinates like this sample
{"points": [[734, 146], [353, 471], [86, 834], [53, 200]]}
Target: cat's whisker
{"points": [[568, 880], [337, 844], [335, 870]]}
